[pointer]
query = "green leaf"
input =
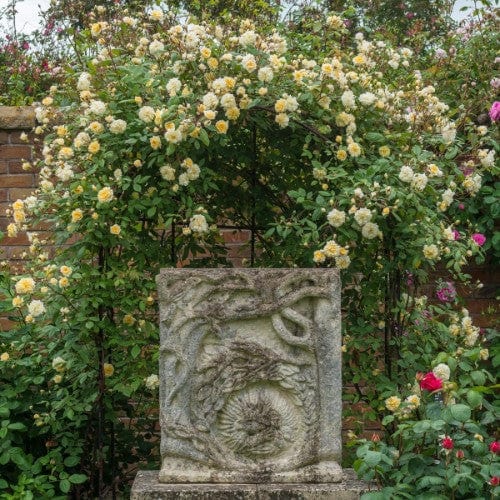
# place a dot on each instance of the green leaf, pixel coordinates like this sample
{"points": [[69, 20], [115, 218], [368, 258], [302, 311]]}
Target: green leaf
{"points": [[422, 427], [430, 481], [77, 478], [374, 137], [71, 461], [65, 485], [204, 137], [16, 426], [372, 458], [135, 351], [460, 412], [474, 398], [478, 377], [437, 425], [387, 419]]}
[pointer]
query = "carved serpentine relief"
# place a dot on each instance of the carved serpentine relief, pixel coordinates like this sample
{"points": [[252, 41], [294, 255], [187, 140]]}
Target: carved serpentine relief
{"points": [[239, 357]]}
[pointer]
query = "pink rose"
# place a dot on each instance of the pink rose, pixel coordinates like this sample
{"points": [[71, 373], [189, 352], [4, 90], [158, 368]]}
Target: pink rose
{"points": [[479, 239], [429, 382], [456, 235], [495, 111], [447, 292]]}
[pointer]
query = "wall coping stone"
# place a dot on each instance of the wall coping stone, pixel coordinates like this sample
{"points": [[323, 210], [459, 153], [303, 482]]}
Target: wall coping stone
{"points": [[17, 117]]}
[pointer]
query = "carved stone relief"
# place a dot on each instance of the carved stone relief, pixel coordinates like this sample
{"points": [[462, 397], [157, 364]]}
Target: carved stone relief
{"points": [[250, 381]]}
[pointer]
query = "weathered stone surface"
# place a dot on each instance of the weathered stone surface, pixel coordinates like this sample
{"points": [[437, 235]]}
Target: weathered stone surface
{"points": [[17, 117], [147, 487], [250, 375]]}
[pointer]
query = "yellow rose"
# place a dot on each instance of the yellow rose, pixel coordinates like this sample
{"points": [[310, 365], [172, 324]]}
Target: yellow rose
{"points": [[205, 52], [17, 301], [105, 194], [94, 147], [76, 215], [128, 319], [280, 105], [221, 126], [155, 142], [4, 356], [65, 270], [25, 285], [354, 149], [232, 113], [384, 151], [96, 127], [63, 282], [359, 59], [212, 63], [18, 205], [392, 403], [319, 257], [11, 230], [115, 229], [209, 114], [341, 154], [108, 369]]}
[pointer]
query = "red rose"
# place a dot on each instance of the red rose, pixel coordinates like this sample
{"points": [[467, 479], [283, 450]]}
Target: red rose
{"points": [[495, 481], [447, 443], [460, 454], [495, 447], [430, 382]]}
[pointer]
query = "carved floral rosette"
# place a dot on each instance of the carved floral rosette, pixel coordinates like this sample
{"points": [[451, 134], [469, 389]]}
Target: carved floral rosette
{"points": [[250, 381]]}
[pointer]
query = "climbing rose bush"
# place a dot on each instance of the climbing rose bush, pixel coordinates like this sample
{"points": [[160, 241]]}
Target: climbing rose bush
{"points": [[343, 157]]}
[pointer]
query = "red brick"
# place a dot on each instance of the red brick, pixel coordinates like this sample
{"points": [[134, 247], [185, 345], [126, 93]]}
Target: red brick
{"points": [[15, 137], [16, 167], [15, 152], [6, 324], [231, 236], [20, 239], [19, 192], [4, 205], [3, 167], [4, 138], [18, 180], [15, 252], [4, 194]]}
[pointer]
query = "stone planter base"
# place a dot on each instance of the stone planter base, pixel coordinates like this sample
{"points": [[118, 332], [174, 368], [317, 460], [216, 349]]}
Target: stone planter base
{"points": [[147, 487]]}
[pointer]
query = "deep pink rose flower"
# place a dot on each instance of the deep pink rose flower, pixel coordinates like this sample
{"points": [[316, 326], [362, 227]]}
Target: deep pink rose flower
{"points": [[479, 239], [429, 382], [456, 235], [495, 447], [495, 481], [447, 292], [447, 443], [495, 111]]}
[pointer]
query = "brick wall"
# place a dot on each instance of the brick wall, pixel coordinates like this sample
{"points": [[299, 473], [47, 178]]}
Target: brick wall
{"points": [[15, 182]]}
